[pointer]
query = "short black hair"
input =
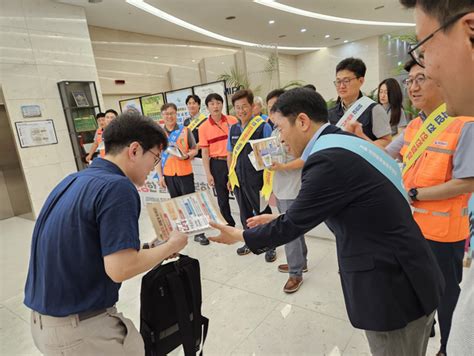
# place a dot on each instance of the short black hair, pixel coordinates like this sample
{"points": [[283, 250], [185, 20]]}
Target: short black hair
{"points": [[99, 115], [196, 98], [132, 126], [355, 65], [309, 86], [241, 94], [214, 96], [167, 106], [302, 100], [275, 93], [409, 64], [441, 10], [111, 111]]}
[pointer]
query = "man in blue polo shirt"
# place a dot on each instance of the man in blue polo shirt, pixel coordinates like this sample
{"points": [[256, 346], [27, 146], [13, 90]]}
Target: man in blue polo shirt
{"points": [[85, 243]]}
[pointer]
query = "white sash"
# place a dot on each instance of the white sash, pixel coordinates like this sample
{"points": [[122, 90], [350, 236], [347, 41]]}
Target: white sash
{"points": [[354, 112]]}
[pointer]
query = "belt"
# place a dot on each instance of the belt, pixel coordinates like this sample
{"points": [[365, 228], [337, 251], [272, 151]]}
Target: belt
{"points": [[90, 314], [220, 158]]}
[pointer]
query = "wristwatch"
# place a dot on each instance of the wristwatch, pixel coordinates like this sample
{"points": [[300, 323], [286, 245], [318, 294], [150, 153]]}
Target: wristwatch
{"points": [[413, 193]]}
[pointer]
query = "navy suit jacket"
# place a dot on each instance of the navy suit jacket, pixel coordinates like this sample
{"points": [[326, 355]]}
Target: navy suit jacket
{"points": [[388, 273]]}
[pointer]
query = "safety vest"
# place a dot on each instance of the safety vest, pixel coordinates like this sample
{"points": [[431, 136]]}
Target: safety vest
{"points": [[100, 143], [440, 220], [174, 166]]}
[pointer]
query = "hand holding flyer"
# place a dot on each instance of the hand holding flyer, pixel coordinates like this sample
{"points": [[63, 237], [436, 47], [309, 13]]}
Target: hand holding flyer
{"points": [[266, 151], [189, 214]]}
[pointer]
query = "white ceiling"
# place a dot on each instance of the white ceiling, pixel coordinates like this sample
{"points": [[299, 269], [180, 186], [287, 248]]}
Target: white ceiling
{"points": [[251, 23]]}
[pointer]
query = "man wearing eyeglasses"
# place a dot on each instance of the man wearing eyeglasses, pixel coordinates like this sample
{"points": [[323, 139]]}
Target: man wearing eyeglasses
{"points": [[351, 104], [439, 183], [446, 33], [85, 244]]}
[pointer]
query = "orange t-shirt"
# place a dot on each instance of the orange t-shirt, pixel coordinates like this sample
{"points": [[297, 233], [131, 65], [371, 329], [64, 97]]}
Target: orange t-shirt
{"points": [[213, 135]]}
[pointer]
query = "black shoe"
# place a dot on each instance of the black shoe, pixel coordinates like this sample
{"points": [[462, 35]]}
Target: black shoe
{"points": [[202, 239], [270, 256], [244, 250]]}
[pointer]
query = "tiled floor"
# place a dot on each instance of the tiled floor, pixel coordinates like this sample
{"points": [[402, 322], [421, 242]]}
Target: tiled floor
{"points": [[242, 296]]}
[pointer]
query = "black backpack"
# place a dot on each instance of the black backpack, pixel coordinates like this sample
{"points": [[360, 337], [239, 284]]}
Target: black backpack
{"points": [[170, 310]]}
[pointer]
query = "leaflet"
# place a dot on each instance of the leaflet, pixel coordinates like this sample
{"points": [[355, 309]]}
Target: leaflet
{"points": [[189, 214], [266, 151]]}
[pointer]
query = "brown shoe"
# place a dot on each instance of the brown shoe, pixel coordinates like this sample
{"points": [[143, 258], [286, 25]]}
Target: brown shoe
{"points": [[285, 269], [293, 284]]}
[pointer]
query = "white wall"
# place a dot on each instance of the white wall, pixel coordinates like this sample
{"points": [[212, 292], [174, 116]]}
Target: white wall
{"points": [[319, 67], [42, 43]]}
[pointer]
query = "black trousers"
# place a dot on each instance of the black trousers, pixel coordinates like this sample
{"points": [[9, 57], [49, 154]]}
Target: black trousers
{"points": [[248, 202], [449, 256], [180, 185], [220, 172]]}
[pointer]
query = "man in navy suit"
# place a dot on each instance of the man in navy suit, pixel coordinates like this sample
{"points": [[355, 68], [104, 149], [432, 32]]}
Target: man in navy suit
{"points": [[390, 279]]}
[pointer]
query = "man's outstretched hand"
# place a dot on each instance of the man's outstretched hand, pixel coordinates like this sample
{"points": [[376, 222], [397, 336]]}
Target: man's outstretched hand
{"points": [[229, 235]]}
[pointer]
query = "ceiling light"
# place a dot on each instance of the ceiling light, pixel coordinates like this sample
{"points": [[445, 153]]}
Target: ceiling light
{"points": [[345, 41], [230, 18], [94, 1], [193, 60], [140, 4], [282, 36], [315, 15], [327, 36], [303, 30], [155, 57], [271, 22]]}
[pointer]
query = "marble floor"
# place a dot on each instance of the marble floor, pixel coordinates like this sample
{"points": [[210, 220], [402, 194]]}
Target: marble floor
{"points": [[242, 296]]}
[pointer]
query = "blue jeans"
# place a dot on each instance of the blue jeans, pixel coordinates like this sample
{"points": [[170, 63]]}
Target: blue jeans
{"points": [[296, 250]]}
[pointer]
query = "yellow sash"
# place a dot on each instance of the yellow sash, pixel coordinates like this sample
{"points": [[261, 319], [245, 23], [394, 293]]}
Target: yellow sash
{"points": [[432, 127], [196, 121], [267, 183], [249, 130]]}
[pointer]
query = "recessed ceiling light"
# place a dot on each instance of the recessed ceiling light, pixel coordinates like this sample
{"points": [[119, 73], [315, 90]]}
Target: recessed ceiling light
{"points": [[379, 7], [230, 18], [337, 38], [345, 41], [294, 10], [303, 30], [155, 57], [282, 36], [142, 5], [193, 60], [222, 62], [327, 36], [271, 22]]}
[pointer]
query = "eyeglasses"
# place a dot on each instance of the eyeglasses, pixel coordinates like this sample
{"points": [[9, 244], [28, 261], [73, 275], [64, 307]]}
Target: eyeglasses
{"points": [[157, 157], [416, 52], [165, 113], [419, 80], [344, 81]]}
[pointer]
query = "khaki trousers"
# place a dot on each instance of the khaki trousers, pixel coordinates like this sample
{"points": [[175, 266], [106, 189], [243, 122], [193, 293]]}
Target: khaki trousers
{"points": [[109, 333], [412, 340]]}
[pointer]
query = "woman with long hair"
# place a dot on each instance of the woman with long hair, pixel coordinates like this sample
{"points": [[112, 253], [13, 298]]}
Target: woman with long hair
{"points": [[390, 97]]}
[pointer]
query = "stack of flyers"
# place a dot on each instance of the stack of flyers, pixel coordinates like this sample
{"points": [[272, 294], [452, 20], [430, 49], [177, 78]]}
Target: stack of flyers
{"points": [[266, 151], [189, 214]]}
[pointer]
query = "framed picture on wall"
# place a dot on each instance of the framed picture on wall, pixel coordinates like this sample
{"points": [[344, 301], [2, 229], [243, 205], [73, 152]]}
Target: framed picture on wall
{"points": [[151, 105], [80, 98], [131, 104], [178, 97], [205, 89], [36, 133]]}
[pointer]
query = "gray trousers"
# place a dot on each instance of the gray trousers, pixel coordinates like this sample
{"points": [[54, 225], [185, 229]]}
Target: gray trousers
{"points": [[296, 250], [411, 340], [109, 333]]}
